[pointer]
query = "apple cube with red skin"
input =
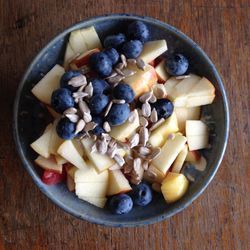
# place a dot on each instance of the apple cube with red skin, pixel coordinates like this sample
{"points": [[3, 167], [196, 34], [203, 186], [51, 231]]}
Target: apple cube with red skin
{"points": [[161, 72], [50, 177], [49, 164]]}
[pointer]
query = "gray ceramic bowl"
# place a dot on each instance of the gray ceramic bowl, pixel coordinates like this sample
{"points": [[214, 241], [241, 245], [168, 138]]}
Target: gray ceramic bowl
{"points": [[30, 117]]}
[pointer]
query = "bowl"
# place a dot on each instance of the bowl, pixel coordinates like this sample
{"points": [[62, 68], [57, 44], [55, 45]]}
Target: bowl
{"points": [[30, 118]]}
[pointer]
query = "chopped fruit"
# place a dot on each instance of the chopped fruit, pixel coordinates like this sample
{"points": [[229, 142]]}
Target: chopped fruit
{"points": [[183, 114], [83, 59], [91, 189], [96, 201], [164, 108], [132, 48], [70, 169], [69, 152], [123, 91], [203, 88], [50, 82], [101, 64], [78, 146], [41, 145], [170, 86], [153, 174], [118, 114], [196, 142], [142, 194], [121, 204], [169, 152], [195, 101], [193, 156], [201, 164], [177, 65], [153, 49], [117, 183], [125, 131], [101, 162], [70, 183], [51, 178], [55, 140], [91, 38], [69, 54], [53, 113], [161, 72], [160, 134], [153, 63], [60, 160], [49, 164], [143, 80], [174, 187], [179, 161], [77, 42], [114, 41], [138, 30]]}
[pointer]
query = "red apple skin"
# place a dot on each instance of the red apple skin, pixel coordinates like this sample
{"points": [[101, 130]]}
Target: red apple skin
{"points": [[51, 178], [193, 156], [152, 63]]}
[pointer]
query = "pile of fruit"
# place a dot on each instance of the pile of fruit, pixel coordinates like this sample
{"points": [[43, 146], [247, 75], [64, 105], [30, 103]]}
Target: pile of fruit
{"points": [[127, 120]]}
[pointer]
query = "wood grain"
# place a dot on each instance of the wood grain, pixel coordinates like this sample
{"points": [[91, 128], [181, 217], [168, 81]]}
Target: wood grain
{"points": [[219, 219]]}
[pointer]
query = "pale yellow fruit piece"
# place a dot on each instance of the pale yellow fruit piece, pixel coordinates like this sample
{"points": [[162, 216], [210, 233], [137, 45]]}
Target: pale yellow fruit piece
{"points": [[55, 140], [68, 56], [153, 49], [60, 160], [174, 187], [69, 152], [194, 101], [96, 201], [50, 82], [76, 42], [170, 86], [48, 164], [127, 129], [117, 183], [41, 145], [71, 169], [203, 88], [169, 152], [196, 142], [160, 134], [196, 127], [91, 189], [179, 161], [91, 38], [161, 72], [159, 176]]}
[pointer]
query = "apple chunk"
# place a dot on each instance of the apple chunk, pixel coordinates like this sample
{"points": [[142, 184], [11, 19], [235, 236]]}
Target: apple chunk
{"points": [[179, 161], [68, 56], [92, 189], [76, 42], [161, 72], [170, 85], [55, 140], [203, 88], [169, 152], [153, 49], [174, 187], [193, 156], [50, 82], [49, 164], [157, 176], [124, 131], [69, 152], [117, 183], [91, 38]]}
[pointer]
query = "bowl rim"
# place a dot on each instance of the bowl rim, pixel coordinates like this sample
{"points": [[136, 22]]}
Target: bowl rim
{"points": [[153, 219]]}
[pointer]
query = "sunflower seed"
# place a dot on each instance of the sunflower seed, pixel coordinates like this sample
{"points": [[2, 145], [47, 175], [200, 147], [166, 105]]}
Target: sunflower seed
{"points": [[134, 140], [108, 109], [132, 116], [94, 137], [118, 101], [83, 106], [119, 160], [156, 187], [144, 135], [78, 95], [127, 168], [143, 121], [128, 72], [78, 81], [72, 117], [144, 150], [155, 153], [87, 117], [151, 173], [145, 165], [123, 145], [102, 146], [153, 99], [154, 116], [112, 151], [140, 64], [124, 60], [182, 77], [80, 126], [132, 61], [112, 143], [89, 89], [81, 88], [113, 74], [116, 79], [93, 148], [137, 164], [160, 91], [90, 126], [146, 97], [106, 127], [106, 136], [119, 71], [146, 109], [119, 66], [115, 167], [70, 111], [157, 124]]}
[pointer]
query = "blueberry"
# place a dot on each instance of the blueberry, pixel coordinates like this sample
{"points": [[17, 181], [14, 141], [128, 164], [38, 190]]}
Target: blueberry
{"points": [[112, 54], [66, 77], [98, 130], [101, 64], [138, 30], [118, 114], [164, 108], [132, 48], [124, 91], [98, 103], [177, 65], [61, 100], [121, 204], [142, 194], [100, 86], [66, 129], [97, 119], [114, 40]]}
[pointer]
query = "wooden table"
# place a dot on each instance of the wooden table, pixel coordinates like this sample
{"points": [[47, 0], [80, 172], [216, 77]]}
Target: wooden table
{"points": [[219, 219]]}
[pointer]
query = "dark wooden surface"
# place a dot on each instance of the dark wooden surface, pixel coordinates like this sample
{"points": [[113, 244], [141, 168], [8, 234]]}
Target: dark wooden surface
{"points": [[219, 219]]}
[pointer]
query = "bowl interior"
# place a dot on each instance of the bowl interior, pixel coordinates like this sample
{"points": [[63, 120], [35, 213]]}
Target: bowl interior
{"points": [[31, 117]]}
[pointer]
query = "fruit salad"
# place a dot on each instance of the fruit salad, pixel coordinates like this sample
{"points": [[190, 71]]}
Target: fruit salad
{"points": [[126, 122]]}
